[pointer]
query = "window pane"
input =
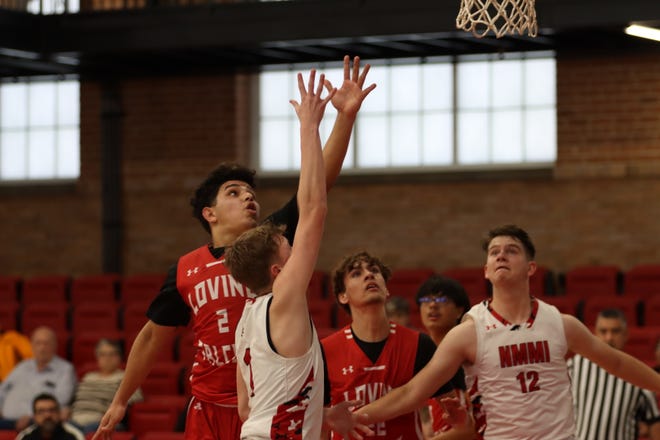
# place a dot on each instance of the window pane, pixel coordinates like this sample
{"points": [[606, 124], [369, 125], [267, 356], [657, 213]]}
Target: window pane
{"points": [[275, 93], [473, 138], [541, 135], [438, 135], [473, 83], [438, 88], [68, 153], [14, 105], [507, 137], [540, 82], [42, 104], [405, 84], [406, 149], [68, 103], [507, 83], [373, 141], [13, 162], [378, 99], [275, 145], [41, 154]]}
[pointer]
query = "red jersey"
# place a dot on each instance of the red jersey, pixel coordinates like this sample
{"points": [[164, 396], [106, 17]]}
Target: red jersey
{"points": [[352, 375], [216, 301]]}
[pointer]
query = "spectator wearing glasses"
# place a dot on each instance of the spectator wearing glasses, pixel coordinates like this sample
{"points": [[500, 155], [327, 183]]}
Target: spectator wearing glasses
{"points": [[373, 353], [48, 424], [442, 303]]}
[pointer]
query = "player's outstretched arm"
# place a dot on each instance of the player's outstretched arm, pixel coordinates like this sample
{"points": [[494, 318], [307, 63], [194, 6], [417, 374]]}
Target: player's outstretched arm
{"points": [[582, 341], [288, 312], [347, 101], [448, 358], [341, 419], [144, 353]]}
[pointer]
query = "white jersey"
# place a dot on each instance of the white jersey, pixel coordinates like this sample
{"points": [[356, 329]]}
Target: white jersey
{"points": [[285, 394], [523, 378]]}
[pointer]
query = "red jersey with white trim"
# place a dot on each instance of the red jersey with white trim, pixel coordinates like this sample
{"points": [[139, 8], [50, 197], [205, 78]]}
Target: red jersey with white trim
{"points": [[216, 300], [522, 374], [353, 376]]}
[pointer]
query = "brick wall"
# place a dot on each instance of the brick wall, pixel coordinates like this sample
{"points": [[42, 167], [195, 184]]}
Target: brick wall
{"points": [[600, 205]]}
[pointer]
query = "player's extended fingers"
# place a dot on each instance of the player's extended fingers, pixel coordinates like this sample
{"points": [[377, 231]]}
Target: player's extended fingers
{"points": [[312, 79], [329, 97], [319, 88], [356, 68], [368, 90], [363, 76], [328, 85], [301, 85], [295, 104], [347, 64]]}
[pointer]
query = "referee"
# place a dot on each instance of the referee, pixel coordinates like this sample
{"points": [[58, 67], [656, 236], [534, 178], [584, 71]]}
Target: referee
{"points": [[607, 407]]}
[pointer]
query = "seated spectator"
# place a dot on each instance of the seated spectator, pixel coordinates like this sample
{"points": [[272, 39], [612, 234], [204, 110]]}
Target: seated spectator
{"points": [[14, 347], [44, 373], [48, 422], [398, 310], [97, 388]]}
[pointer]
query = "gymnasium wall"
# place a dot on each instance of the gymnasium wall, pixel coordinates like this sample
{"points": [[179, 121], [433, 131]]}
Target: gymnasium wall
{"points": [[601, 203]]}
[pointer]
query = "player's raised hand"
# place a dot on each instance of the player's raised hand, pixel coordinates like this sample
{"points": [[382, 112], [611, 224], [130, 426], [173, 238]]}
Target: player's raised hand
{"points": [[350, 95], [311, 106]]}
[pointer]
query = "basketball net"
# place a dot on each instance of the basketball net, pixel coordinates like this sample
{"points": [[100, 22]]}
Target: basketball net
{"points": [[499, 16]]}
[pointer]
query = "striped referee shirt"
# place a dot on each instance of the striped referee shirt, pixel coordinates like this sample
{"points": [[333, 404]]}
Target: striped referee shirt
{"points": [[607, 407]]}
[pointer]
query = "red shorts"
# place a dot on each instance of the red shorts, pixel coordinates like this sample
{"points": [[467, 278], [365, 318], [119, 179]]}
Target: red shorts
{"points": [[207, 421]]}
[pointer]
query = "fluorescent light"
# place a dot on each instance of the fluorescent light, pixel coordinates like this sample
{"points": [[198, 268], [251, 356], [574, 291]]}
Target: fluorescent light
{"points": [[643, 32]]}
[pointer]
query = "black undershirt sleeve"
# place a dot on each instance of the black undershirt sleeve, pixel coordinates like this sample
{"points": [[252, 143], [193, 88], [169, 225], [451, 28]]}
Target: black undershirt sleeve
{"points": [[425, 350], [168, 308]]}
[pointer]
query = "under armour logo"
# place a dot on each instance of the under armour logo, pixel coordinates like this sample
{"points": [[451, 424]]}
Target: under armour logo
{"points": [[192, 271], [347, 370], [293, 424], [197, 406], [491, 327]]}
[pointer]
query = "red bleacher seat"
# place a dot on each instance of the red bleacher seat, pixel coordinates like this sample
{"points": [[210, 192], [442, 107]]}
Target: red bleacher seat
{"points": [[134, 316], [340, 317], [406, 282], [651, 310], [9, 314], [94, 316], [320, 310], [45, 289], [542, 282], [473, 281], [570, 305], [629, 305], [8, 435], [151, 416], [9, 288], [642, 280], [140, 287], [54, 315], [642, 342], [164, 378], [94, 288], [317, 285], [588, 281]]}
